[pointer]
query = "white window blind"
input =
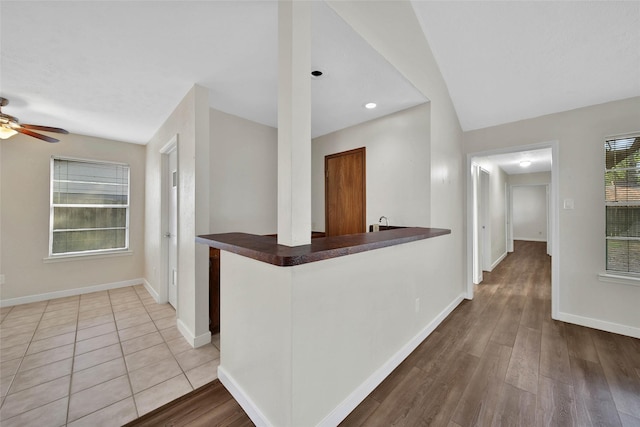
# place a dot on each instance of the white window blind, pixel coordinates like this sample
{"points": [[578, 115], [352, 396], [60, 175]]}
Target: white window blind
{"points": [[622, 200], [89, 207]]}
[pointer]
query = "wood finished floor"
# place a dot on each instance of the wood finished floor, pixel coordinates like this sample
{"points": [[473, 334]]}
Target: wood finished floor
{"points": [[499, 360]]}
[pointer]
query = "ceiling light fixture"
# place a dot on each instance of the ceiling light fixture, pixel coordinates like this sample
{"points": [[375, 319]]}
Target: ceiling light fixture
{"points": [[316, 73], [370, 105], [525, 163]]}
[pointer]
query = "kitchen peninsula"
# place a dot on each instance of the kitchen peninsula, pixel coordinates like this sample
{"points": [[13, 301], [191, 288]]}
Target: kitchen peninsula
{"points": [[307, 332]]}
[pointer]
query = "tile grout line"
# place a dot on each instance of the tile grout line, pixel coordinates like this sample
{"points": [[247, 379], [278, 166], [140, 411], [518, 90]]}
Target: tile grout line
{"points": [[24, 355], [73, 361], [124, 360]]}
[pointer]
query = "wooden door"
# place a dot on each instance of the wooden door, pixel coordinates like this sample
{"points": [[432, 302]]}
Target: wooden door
{"points": [[345, 195]]}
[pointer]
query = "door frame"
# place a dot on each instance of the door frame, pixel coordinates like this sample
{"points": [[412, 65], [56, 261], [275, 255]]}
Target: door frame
{"points": [[480, 210], [364, 185], [165, 184], [553, 226]]}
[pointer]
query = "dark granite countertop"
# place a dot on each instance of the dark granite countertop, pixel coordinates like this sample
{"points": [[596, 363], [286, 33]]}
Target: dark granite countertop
{"points": [[267, 249]]}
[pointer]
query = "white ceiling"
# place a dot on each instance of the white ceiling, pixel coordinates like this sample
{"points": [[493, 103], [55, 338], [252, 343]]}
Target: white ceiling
{"points": [[510, 162], [506, 61], [117, 69]]}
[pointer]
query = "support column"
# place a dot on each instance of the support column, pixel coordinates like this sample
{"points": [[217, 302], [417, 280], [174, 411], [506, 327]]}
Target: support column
{"points": [[294, 123]]}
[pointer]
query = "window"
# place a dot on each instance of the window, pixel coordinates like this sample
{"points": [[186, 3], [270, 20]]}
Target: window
{"points": [[89, 207], [622, 200]]}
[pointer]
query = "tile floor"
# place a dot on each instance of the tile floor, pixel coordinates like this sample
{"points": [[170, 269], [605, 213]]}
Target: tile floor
{"points": [[103, 358]]}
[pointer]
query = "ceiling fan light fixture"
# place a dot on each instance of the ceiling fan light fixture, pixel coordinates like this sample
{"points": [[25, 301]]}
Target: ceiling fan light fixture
{"points": [[6, 132]]}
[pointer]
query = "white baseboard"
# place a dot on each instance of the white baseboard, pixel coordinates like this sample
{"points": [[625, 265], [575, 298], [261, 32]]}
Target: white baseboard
{"points": [[195, 341], [151, 291], [602, 325], [69, 292], [243, 399], [529, 239], [341, 411], [498, 261]]}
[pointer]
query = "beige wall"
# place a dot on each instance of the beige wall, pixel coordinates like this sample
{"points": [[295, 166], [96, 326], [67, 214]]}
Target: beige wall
{"points": [[397, 167], [244, 175], [25, 180], [581, 133], [190, 122]]}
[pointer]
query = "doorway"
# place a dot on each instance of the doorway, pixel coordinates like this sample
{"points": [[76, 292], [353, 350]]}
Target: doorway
{"points": [[550, 150], [345, 192], [172, 234], [169, 213]]}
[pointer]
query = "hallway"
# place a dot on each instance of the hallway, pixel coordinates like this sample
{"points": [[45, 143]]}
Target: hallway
{"points": [[501, 360]]}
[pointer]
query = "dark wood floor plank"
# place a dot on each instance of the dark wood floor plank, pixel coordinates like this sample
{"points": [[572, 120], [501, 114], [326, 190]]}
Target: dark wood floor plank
{"points": [[507, 327], [442, 397], [597, 413], [629, 421], [515, 408], [479, 401], [554, 354], [229, 413], [480, 332], [395, 408], [359, 416], [556, 404], [621, 375], [533, 313], [525, 360], [579, 342]]}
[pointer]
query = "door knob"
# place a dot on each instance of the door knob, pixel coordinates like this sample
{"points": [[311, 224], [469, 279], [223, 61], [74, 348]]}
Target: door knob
{"points": [[167, 234]]}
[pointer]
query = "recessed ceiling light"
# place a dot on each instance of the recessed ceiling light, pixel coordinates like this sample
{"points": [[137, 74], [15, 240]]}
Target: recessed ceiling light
{"points": [[370, 105], [525, 163], [316, 73]]}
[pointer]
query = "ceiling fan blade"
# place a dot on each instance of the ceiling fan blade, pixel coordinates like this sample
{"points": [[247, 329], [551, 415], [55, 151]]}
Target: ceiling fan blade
{"points": [[44, 128], [36, 135]]}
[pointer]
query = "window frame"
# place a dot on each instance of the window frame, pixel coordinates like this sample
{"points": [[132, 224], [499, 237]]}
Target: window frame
{"points": [[617, 276], [52, 206]]}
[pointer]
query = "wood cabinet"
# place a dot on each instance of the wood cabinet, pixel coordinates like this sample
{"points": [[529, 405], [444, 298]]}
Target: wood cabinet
{"points": [[214, 290]]}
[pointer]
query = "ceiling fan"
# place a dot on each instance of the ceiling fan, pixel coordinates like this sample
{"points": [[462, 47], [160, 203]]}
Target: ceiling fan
{"points": [[10, 125]]}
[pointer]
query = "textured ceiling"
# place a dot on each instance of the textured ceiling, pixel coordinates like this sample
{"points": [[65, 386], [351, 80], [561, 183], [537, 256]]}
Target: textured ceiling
{"points": [[117, 69], [507, 61]]}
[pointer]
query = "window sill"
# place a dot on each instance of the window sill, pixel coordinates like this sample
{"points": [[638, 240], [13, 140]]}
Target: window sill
{"points": [[81, 257], [620, 279]]}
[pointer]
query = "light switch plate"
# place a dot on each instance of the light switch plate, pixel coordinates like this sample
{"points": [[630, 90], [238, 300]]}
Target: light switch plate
{"points": [[568, 203]]}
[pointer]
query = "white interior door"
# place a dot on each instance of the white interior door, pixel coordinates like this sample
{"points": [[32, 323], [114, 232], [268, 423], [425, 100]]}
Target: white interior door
{"points": [[484, 209], [172, 234]]}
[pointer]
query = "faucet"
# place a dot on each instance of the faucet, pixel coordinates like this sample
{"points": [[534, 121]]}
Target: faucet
{"points": [[385, 219]]}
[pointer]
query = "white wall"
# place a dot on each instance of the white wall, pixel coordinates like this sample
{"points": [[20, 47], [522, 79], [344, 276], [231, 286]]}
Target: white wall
{"points": [[397, 167], [322, 335], [24, 181], [190, 121], [244, 175], [581, 133], [529, 212]]}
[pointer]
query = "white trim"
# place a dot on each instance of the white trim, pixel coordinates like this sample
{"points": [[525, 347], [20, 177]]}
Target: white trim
{"points": [[152, 291], [194, 341], [499, 260], [620, 279], [602, 325], [242, 398], [80, 256], [341, 411], [69, 292], [529, 239]]}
